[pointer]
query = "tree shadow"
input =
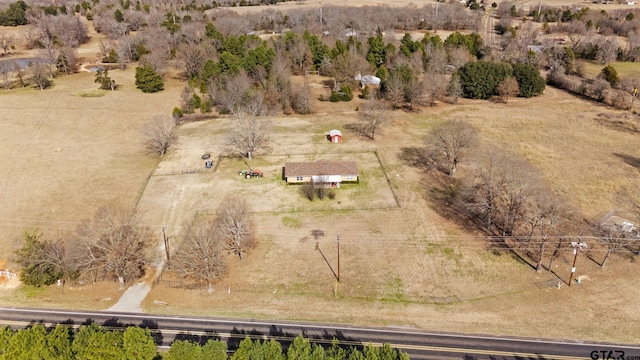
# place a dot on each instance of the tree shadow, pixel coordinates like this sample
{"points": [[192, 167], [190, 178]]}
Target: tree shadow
{"points": [[498, 245], [359, 129], [420, 158], [590, 257], [629, 160]]}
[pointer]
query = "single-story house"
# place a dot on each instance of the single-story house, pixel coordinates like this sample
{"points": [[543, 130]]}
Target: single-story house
{"points": [[329, 172], [335, 136]]}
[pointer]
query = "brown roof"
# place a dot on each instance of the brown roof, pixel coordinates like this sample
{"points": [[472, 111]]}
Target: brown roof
{"points": [[320, 168]]}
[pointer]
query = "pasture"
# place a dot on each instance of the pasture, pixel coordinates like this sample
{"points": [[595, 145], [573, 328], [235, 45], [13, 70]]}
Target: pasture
{"points": [[66, 153]]}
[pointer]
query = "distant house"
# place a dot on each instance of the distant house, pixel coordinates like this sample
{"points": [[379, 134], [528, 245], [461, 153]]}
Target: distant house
{"points": [[329, 172], [367, 80], [335, 136], [349, 32]]}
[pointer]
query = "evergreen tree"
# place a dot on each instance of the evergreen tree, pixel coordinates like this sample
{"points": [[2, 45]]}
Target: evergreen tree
{"points": [[610, 74], [319, 50], [103, 79], [217, 350], [480, 79], [139, 344], [118, 16], [32, 257], [59, 342], [300, 349], [182, 349], [376, 55], [530, 82], [28, 344], [148, 80]]}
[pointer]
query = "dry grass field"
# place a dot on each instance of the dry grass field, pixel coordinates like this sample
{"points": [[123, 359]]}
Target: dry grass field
{"points": [[65, 153]]}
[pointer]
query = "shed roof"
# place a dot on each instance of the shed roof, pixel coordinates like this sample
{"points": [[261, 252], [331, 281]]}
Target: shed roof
{"points": [[335, 132], [320, 168]]}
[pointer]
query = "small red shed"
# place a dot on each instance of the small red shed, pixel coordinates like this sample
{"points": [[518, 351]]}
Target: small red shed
{"points": [[335, 136]]}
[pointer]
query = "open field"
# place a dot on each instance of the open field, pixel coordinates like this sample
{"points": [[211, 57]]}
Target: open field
{"points": [[65, 154], [624, 69]]}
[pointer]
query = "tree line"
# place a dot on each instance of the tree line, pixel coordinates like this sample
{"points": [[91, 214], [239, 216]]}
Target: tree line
{"points": [[134, 343], [116, 246], [503, 196]]}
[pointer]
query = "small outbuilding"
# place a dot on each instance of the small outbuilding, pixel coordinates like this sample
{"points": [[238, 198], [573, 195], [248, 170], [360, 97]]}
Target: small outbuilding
{"points": [[335, 136], [329, 172], [368, 80]]}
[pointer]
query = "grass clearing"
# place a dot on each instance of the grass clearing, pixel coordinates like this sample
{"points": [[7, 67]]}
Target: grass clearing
{"points": [[401, 265], [625, 69]]}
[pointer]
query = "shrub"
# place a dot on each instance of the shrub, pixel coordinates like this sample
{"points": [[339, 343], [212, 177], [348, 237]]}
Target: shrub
{"points": [[308, 191]]}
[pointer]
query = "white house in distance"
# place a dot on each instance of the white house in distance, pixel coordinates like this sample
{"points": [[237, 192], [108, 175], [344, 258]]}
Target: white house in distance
{"points": [[329, 172], [368, 80]]}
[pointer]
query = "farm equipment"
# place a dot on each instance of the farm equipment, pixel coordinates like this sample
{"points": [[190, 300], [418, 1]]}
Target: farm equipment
{"points": [[250, 173]]}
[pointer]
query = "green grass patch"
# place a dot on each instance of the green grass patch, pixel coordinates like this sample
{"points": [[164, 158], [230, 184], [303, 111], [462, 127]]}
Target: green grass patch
{"points": [[624, 69], [292, 222], [395, 290], [32, 291]]}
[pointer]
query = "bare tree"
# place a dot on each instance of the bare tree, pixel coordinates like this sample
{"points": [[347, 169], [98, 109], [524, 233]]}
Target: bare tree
{"points": [[454, 88], [49, 52], [301, 101], [544, 217], [256, 104], [615, 237], [113, 244], [417, 94], [300, 55], [192, 57], [6, 42], [395, 90], [160, 135], [200, 254], [435, 87], [498, 192], [508, 88], [40, 75], [249, 136], [607, 50], [436, 59], [231, 93], [346, 66], [458, 56], [235, 225], [67, 60], [5, 70], [450, 141], [372, 115]]}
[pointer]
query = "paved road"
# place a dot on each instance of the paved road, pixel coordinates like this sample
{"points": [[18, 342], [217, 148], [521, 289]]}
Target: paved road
{"points": [[419, 344]]}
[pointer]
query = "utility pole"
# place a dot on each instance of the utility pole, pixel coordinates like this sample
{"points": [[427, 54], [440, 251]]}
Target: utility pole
{"points": [[539, 10], [166, 245], [435, 25], [320, 15], [577, 246], [338, 241]]}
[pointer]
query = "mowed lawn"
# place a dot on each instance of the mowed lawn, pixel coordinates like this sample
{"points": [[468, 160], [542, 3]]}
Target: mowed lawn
{"points": [[63, 155]]}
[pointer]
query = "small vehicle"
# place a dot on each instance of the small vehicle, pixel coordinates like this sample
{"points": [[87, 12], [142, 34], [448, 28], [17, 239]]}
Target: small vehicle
{"points": [[250, 173]]}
